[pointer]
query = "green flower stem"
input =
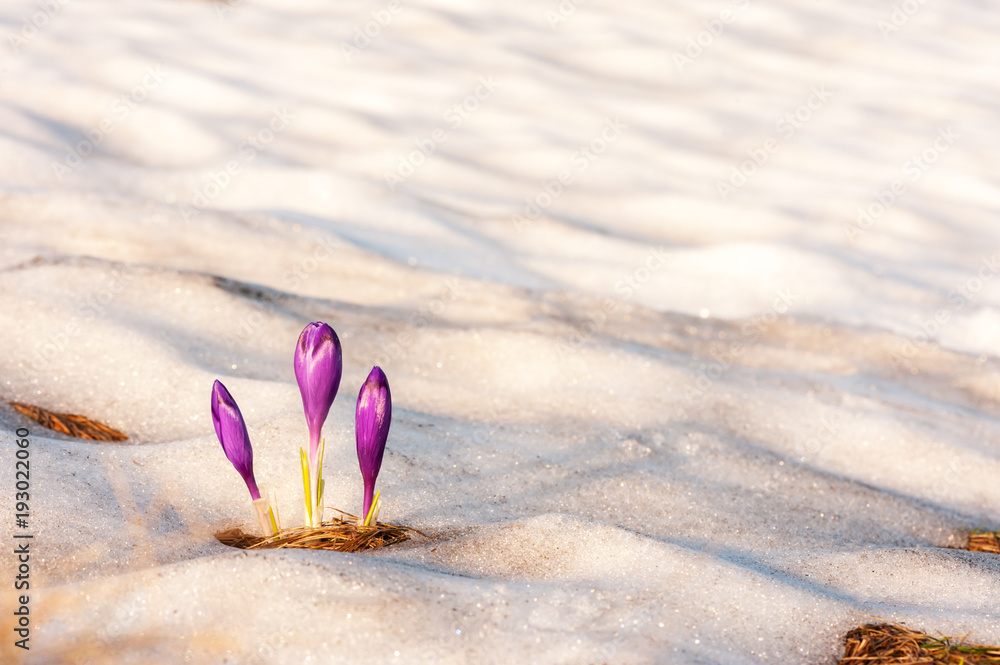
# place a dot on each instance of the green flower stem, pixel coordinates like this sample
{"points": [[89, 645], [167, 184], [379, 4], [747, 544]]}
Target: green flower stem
{"points": [[312, 486], [372, 516]]}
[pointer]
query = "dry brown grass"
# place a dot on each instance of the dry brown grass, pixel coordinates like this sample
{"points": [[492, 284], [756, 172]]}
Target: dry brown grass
{"points": [[69, 423], [341, 535], [889, 644], [984, 541]]}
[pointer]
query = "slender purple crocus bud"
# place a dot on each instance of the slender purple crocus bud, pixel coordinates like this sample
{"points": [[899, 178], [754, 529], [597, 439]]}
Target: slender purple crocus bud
{"points": [[233, 435], [371, 429], [318, 366]]}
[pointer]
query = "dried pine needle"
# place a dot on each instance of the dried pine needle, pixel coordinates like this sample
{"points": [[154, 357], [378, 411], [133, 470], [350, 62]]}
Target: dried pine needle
{"points": [[984, 541], [890, 644], [340, 535], [68, 423]]}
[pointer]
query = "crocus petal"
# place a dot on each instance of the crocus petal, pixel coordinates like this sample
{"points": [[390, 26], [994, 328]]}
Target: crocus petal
{"points": [[371, 429], [233, 435], [318, 367]]}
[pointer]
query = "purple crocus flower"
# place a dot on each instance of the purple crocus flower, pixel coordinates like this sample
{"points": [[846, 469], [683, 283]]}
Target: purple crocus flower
{"points": [[233, 435], [371, 428], [318, 366]]}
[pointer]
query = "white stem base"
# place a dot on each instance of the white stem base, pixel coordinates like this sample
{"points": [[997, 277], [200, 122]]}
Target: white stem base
{"points": [[266, 515]]}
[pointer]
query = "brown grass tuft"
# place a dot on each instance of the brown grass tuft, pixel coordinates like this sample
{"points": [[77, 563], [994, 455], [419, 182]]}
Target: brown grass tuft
{"points": [[81, 427], [341, 535], [984, 541], [889, 644]]}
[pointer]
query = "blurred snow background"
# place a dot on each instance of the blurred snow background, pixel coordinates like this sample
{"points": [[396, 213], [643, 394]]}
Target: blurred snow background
{"points": [[690, 313]]}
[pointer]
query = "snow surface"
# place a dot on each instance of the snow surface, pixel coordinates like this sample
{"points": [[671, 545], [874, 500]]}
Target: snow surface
{"points": [[759, 441]]}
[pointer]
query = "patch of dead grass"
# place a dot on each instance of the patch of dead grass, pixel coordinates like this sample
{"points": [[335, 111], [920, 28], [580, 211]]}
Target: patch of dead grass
{"points": [[341, 534], [890, 644], [984, 541]]}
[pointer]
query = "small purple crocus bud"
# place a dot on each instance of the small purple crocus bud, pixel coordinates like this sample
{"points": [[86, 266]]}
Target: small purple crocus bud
{"points": [[318, 366], [371, 428], [233, 435]]}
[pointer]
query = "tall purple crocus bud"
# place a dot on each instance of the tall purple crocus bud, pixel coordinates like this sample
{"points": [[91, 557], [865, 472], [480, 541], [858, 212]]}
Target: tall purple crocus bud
{"points": [[233, 435], [318, 366], [371, 429]]}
